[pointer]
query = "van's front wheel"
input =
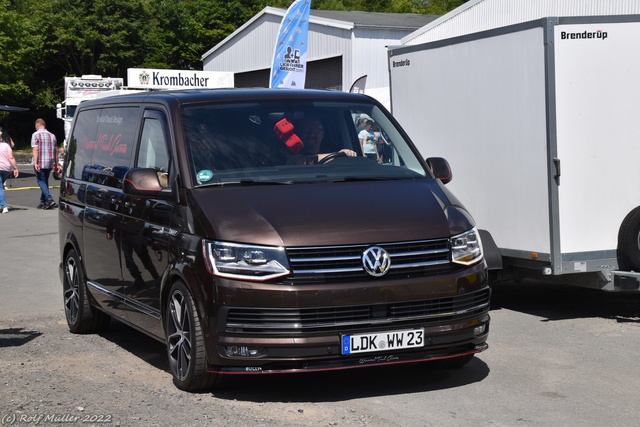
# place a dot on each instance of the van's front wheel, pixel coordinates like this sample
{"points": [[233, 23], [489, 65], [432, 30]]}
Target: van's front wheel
{"points": [[185, 342]]}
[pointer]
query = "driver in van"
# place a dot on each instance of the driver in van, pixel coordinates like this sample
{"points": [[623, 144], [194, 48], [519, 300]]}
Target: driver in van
{"points": [[312, 134]]}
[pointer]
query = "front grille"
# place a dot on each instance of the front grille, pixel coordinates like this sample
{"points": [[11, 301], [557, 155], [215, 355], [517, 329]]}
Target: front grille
{"points": [[329, 264], [336, 319]]}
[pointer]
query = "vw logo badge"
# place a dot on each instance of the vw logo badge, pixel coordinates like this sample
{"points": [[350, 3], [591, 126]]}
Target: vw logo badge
{"points": [[376, 261]]}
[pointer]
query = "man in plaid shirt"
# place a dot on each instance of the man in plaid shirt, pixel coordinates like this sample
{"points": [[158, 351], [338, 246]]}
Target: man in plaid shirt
{"points": [[45, 159]]}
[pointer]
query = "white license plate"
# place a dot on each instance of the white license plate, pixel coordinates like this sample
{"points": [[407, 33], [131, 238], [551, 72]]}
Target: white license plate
{"points": [[382, 341]]}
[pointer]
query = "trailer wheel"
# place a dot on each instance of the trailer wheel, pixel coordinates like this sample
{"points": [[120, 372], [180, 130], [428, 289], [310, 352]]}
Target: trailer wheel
{"points": [[629, 242]]}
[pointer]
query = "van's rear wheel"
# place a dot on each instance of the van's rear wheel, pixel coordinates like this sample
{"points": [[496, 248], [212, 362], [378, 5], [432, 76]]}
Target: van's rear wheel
{"points": [[81, 317], [185, 342], [629, 241]]}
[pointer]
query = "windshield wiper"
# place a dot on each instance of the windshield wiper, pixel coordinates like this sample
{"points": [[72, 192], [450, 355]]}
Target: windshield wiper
{"points": [[365, 178], [244, 182], [262, 182]]}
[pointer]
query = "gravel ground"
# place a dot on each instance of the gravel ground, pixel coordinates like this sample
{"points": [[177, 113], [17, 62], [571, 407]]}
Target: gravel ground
{"points": [[53, 377], [558, 357], [49, 376]]}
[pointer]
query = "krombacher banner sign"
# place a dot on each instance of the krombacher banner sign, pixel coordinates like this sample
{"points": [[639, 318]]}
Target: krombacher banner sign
{"points": [[147, 78]]}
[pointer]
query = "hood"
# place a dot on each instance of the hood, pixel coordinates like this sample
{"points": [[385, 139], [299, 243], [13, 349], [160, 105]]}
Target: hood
{"points": [[321, 214]]}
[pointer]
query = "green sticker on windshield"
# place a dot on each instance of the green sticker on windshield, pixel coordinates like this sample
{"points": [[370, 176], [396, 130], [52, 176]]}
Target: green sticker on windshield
{"points": [[205, 175]]}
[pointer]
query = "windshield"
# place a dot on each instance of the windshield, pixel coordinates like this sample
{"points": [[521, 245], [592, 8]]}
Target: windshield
{"points": [[294, 141]]}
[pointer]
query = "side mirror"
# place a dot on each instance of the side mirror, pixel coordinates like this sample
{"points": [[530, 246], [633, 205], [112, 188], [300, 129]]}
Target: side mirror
{"points": [[440, 168], [145, 182], [59, 111]]}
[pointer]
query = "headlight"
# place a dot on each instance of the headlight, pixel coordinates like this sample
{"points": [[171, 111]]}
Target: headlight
{"points": [[466, 248], [245, 261]]}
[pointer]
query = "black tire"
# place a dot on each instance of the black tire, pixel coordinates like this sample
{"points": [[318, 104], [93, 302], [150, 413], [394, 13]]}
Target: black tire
{"points": [[82, 318], [185, 342], [629, 242]]}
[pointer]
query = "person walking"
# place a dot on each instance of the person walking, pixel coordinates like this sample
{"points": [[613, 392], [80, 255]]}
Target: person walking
{"points": [[7, 163], [45, 159], [5, 137]]}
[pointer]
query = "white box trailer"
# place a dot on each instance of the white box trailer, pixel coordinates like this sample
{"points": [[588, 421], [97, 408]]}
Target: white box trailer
{"points": [[540, 122]]}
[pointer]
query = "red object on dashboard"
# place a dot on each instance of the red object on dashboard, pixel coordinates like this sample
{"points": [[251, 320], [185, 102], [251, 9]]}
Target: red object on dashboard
{"points": [[284, 130]]}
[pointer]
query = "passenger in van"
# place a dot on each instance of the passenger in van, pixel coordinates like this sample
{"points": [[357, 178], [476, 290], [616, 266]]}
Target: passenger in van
{"points": [[202, 148], [312, 135], [221, 151]]}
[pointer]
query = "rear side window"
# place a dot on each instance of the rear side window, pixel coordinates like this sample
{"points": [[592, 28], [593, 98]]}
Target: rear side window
{"points": [[102, 144], [80, 145]]}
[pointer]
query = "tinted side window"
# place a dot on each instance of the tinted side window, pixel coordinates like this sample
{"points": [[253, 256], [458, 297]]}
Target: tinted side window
{"points": [[115, 144], [102, 144], [82, 142]]}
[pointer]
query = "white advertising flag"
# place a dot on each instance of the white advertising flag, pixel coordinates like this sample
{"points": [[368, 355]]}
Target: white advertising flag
{"points": [[289, 67]]}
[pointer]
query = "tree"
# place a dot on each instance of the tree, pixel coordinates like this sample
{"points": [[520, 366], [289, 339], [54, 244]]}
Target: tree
{"points": [[42, 41], [183, 31], [431, 7], [19, 47], [94, 36]]}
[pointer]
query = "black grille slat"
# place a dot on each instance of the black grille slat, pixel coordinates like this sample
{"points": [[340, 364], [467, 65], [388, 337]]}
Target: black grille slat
{"points": [[331, 264], [298, 321]]}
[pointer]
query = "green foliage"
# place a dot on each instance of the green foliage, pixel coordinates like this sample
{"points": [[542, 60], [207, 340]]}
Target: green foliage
{"points": [[431, 7], [19, 48], [182, 31], [93, 36], [42, 41]]}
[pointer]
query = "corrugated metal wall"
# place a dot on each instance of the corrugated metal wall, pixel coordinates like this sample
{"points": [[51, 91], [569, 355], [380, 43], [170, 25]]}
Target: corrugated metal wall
{"points": [[360, 51], [252, 49], [370, 56], [356, 50], [480, 15]]}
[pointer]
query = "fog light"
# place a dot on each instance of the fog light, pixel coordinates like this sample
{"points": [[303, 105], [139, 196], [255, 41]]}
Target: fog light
{"points": [[479, 330], [243, 351]]}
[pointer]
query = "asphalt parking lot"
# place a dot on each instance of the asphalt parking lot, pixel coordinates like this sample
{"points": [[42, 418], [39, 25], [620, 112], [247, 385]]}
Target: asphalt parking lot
{"points": [[29, 249], [558, 356]]}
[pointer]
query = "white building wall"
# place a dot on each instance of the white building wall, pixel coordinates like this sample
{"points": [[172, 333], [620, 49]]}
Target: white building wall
{"points": [[252, 48], [249, 50], [363, 49], [370, 58], [481, 15]]}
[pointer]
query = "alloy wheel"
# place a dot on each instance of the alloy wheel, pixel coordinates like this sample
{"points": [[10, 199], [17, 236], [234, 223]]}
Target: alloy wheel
{"points": [[179, 335], [71, 296]]}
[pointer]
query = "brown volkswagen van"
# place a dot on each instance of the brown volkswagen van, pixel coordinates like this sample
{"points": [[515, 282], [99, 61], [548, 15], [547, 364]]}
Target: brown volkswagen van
{"points": [[265, 231]]}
